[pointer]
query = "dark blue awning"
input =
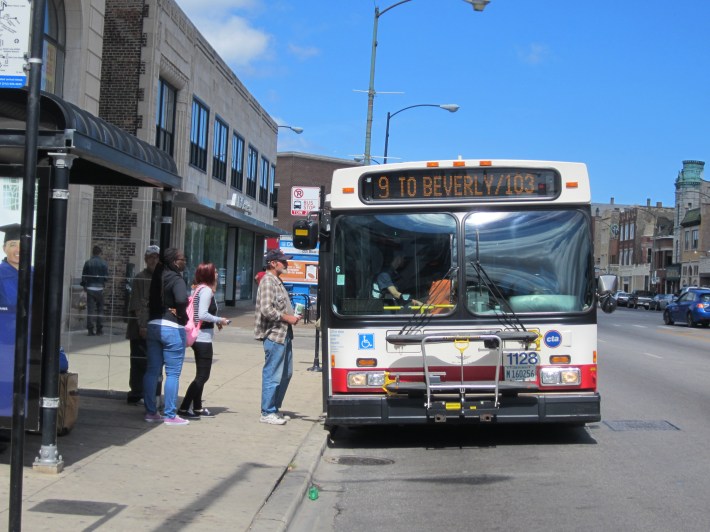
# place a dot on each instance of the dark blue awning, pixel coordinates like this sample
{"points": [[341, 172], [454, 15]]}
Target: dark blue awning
{"points": [[106, 155]]}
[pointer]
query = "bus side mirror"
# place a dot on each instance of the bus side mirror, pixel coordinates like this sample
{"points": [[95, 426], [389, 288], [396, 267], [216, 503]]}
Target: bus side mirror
{"points": [[305, 234], [606, 286]]}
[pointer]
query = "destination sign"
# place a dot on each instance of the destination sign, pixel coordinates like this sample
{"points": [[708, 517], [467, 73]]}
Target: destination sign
{"points": [[444, 184]]}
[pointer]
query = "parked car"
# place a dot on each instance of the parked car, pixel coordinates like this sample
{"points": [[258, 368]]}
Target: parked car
{"points": [[661, 301], [683, 290], [693, 308], [622, 298], [640, 298]]}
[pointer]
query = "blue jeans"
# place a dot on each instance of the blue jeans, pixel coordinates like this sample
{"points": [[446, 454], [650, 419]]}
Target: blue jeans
{"points": [[165, 346], [278, 368]]}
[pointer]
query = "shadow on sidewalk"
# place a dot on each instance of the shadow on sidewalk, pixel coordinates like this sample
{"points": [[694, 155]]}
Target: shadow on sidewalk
{"points": [[103, 422]]}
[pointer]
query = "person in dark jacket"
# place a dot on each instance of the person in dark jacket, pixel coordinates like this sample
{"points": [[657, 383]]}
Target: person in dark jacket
{"points": [[93, 279], [166, 336], [137, 328]]}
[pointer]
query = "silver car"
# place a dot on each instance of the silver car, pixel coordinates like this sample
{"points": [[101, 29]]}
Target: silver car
{"points": [[622, 298], [661, 301]]}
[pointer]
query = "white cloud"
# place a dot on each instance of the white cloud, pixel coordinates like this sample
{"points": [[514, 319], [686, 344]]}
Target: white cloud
{"points": [[233, 37], [534, 54], [238, 43], [303, 52], [216, 7]]}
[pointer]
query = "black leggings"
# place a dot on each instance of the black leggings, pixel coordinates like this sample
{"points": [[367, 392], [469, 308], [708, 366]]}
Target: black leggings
{"points": [[203, 365]]}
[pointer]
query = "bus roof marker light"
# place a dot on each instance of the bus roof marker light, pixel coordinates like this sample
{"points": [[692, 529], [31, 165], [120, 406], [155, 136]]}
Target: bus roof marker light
{"points": [[348, 190], [572, 184], [485, 163], [432, 164], [459, 163]]}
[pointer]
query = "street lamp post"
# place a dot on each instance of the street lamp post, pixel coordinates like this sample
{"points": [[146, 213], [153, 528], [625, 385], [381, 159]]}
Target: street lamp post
{"points": [[451, 107], [478, 5], [295, 129]]}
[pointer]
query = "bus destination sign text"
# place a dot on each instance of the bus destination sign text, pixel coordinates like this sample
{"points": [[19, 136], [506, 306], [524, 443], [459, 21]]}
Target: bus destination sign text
{"points": [[460, 184]]}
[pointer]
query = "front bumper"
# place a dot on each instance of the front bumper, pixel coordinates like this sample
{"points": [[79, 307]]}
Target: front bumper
{"points": [[570, 408]]}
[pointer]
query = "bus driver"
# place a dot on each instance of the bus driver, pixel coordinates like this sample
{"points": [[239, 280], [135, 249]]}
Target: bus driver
{"points": [[384, 288]]}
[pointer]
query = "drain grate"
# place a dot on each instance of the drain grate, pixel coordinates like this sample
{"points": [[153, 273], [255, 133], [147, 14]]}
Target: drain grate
{"points": [[635, 424], [358, 460]]}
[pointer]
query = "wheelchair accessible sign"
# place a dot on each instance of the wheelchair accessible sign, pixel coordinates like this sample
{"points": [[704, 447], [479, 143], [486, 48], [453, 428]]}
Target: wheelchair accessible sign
{"points": [[365, 341]]}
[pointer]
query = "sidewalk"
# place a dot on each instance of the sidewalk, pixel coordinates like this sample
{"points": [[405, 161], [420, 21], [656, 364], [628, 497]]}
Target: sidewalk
{"points": [[121, 473]]}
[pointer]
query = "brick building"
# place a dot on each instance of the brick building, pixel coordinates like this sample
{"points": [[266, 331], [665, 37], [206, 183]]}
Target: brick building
{"points": [[658, 248], [298, 170]]}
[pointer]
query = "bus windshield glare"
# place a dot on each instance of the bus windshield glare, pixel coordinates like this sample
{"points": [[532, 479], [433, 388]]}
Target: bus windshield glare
{"points": [[513, 262]]}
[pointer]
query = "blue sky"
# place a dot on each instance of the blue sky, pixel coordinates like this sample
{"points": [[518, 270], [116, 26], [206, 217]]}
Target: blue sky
{"points": [[620, 85]]}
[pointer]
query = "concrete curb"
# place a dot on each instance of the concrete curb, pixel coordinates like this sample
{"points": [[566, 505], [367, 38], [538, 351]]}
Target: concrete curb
{"points": [[291, 488]]}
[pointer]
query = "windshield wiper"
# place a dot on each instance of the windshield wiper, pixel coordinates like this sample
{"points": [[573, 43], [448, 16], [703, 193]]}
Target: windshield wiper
{"points": [[495, 292]]}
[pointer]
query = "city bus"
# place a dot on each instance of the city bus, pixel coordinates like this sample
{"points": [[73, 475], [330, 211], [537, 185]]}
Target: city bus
{"points": [[458, 291]]}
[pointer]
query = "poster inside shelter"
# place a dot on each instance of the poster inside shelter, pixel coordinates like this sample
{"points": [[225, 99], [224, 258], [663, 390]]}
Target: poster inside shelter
{"points": [[10, 217]]}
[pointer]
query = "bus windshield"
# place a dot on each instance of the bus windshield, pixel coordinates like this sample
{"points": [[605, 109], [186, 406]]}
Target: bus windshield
{"points": [[515, 262], [528, 261], [394, 263]]}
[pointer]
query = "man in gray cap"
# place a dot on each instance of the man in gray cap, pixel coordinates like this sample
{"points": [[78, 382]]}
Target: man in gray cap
{"points": [[138, 325], [274, 318]]}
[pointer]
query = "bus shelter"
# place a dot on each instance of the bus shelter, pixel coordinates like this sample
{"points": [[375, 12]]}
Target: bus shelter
{"points": [[74, 147]]}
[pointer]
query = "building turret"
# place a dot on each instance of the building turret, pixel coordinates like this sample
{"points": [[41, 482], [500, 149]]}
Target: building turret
{"points": [[691, 174]]}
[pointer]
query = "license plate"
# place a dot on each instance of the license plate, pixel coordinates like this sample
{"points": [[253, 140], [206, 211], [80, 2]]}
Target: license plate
{"points": [[520, 373], [520, 366]]}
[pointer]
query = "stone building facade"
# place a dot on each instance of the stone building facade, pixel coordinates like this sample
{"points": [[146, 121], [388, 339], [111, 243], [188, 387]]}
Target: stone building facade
{"points": [[142, 66], [155, 61], [691, 237]]}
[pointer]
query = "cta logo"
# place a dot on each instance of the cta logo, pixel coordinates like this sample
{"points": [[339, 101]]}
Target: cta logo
{"points": [[553, 339]]}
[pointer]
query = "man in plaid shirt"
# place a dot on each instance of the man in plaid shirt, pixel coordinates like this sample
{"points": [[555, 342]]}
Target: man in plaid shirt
{"points": [[274, 318]]}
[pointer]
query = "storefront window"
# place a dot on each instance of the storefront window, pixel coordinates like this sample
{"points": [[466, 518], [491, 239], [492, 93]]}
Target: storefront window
{"points": [[245, 270], [206, 241]]}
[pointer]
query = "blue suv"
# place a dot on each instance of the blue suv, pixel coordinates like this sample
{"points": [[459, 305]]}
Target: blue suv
{"points": [[692, 307]]}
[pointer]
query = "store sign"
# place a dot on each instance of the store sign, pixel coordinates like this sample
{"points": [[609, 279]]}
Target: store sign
{"points": [[301, 271], [304, 200], [286, 245], [15, 21]]}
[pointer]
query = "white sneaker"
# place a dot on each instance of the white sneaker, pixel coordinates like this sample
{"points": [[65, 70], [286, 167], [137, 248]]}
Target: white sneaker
{"points": [[272, 419], [283, 416]]}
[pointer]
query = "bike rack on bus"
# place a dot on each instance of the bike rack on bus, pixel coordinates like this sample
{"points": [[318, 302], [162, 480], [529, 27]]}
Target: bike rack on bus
{"points": [[472, 395]]}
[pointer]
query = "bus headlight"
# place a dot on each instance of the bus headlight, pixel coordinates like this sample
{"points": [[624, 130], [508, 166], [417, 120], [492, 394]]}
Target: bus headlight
{"points": [[368, 379], [560, 376]]}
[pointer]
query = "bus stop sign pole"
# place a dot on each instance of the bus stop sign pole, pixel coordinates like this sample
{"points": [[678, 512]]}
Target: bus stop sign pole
{"points": [[25, 271], [316, 361]]}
